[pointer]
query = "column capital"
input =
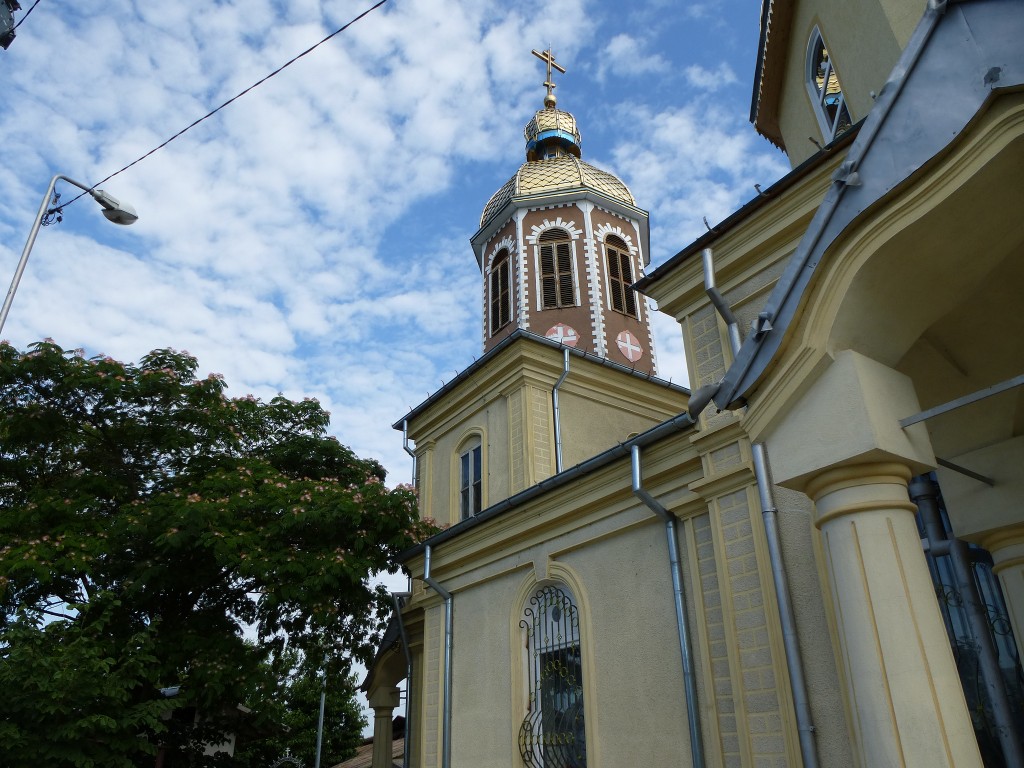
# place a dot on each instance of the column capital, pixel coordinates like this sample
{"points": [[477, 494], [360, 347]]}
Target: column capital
{"points": [[856, 488], [385, 697], [847, 417]]}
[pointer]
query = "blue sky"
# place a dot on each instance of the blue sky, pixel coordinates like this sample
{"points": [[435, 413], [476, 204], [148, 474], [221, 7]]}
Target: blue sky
{"points": [[312, 238]]}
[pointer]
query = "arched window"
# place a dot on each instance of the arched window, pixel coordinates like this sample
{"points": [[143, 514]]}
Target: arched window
{"points": [[620, 275], [826, 92], [470, 478], [553, 733], [501, 296], [556, 269]]}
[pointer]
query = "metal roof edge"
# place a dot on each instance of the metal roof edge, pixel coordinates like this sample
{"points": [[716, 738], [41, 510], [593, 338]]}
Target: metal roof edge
{"points": [[654, 434], [522, 333], [866, 177], [741, 213]]}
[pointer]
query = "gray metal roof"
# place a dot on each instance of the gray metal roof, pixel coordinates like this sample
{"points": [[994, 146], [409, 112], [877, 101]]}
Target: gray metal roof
{"points": [[957, 59]]}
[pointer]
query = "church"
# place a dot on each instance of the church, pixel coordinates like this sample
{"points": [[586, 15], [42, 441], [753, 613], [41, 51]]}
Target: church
{"points": [[816, 557]]}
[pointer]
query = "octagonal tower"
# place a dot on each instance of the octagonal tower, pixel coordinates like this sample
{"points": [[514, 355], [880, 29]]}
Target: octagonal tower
{"points": [[560, 245]]}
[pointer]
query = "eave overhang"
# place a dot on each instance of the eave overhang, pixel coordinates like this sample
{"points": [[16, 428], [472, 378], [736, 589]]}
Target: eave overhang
{"points": [[560, 197], [776, 19], [529, 338]]}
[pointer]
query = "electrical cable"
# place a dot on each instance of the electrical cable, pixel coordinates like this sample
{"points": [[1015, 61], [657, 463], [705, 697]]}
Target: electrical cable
{"points": [[237, 96], [25, 16]]}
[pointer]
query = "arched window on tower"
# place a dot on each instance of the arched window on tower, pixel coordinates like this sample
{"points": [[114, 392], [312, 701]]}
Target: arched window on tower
{"points": [[825, 90], [553, 732], [620, 275], [501, 296], [556, 269]]}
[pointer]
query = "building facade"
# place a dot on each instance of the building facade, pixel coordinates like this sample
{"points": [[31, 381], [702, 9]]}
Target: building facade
{"points": [[817, 558]]}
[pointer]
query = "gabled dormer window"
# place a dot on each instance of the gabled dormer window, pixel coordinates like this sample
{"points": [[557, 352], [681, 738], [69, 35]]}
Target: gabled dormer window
{"points": [[556, 269], [620, 276], [501, 296], [825, 90]]}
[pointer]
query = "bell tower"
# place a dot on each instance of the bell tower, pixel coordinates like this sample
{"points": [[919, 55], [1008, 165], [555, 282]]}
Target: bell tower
{"points": [[560, 245]]}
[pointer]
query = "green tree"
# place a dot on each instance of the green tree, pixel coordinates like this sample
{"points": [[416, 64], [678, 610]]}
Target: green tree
{"points": [[289, 715], [147, 521]]}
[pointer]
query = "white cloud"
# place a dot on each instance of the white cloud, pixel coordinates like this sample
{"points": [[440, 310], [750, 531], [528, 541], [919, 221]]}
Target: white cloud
{"points": [[626, 55], [710, 79], [312, 238]]}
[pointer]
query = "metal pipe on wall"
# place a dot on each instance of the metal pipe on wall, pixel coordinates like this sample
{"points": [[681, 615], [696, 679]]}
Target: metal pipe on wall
{"points": [[678, 598], [407, 449], [719, 302], [446, 722], [790, 639], [557, 414], [769, 517]]}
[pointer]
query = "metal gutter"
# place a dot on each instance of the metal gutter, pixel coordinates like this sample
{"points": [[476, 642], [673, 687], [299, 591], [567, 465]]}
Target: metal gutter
{"points": [[407, 449], [719, 302], [678, 599], [508, 341], [557, 414], [651, 436], [446, 722]]}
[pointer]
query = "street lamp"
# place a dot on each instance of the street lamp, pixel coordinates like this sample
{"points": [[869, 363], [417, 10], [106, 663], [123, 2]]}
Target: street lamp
{"points": [[113, 209]]}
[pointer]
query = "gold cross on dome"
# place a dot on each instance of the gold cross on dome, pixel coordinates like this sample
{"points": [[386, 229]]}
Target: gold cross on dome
{"points": [[549, 58]]}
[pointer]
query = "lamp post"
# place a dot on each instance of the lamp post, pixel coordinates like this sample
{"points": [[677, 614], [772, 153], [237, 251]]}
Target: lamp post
{"points": [[113, 209]]}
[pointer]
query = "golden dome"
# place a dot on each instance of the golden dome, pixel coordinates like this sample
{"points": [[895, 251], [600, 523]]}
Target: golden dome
{"points": [[536, 177], [551, 126]]}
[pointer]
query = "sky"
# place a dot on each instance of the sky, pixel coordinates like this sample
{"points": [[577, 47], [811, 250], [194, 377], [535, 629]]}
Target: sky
{"points": [[312, 238]]}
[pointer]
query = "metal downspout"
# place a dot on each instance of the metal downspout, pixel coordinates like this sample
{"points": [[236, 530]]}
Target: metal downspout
{"points": [[769, 516], [410, 451], [446, 721], [408, 675], [557, 414], [924, 494], [675, 566], [719, 301], [790, 640]]}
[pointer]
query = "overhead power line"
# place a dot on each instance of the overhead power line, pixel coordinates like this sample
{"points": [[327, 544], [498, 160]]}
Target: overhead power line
{"points": [[26, 13], [237, 96]]}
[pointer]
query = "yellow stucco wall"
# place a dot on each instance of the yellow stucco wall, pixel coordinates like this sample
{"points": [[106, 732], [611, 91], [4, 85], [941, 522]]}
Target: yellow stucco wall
{"points": [[864, 40]]}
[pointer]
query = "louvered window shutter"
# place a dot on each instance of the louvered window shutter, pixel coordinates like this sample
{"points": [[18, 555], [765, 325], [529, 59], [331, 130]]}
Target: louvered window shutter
{"points": [[548, 279], [616, 279], [556, 269], [566, 295], [620, 275], [501, 299], [627, 280]]}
